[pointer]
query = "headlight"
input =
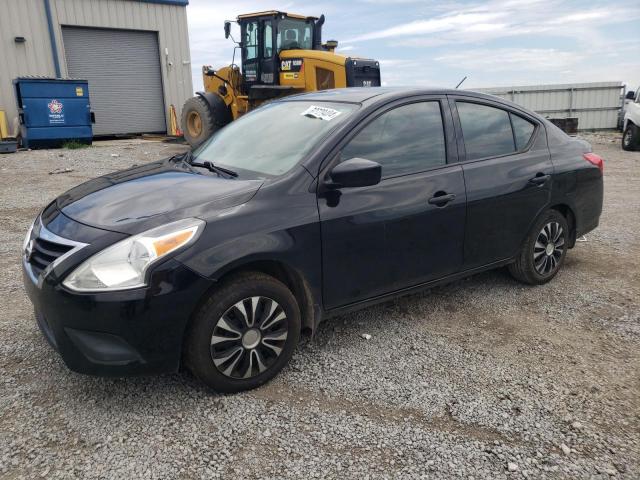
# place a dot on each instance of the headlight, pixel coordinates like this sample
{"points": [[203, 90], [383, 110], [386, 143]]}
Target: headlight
{"points": [[124, 264], [28, 237]]}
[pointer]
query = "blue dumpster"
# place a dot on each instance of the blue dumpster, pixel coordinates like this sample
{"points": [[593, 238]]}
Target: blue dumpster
{"points": [[53, 111]]}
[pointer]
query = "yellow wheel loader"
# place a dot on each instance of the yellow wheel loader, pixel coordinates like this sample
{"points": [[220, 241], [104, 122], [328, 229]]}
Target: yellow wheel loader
{"points": [[281, 54]]}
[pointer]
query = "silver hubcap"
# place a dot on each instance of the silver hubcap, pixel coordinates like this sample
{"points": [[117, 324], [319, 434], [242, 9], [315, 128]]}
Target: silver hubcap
{"points": [[548, 248], [249, 337], [627, 137]]}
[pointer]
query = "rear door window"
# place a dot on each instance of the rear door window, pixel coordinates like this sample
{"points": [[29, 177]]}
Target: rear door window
{"points": [[407, 139], [486, 130], [522, 131]]}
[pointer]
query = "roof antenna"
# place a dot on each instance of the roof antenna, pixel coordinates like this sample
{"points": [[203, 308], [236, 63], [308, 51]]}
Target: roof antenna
{"points": [[461, 81]]}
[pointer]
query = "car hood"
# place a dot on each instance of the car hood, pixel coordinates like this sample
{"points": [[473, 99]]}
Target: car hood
{"points": [[132, 200]]}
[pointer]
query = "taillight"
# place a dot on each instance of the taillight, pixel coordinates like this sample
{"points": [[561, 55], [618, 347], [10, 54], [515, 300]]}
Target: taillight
{"points": [[595, 160]]}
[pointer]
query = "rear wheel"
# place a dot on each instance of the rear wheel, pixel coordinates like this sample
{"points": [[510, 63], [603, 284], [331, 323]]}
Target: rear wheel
{"points": [[631, 137], [244, 334], [544, 250], [199, 120]]}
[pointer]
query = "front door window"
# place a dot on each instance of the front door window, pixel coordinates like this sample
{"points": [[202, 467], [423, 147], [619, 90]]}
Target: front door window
{"points": [[250, 41], [408, 139]]}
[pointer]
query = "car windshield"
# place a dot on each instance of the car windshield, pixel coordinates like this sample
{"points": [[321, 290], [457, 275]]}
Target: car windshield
{"points": [[294, 34], [273, 138]]}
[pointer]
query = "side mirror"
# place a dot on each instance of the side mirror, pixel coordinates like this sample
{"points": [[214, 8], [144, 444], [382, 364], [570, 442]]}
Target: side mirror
{"points": [[355, 172], [630, 95], [227, 29]]}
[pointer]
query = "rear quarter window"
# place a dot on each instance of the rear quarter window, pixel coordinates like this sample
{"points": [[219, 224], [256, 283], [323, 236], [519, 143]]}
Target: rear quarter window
{"points": [[522, 131]]}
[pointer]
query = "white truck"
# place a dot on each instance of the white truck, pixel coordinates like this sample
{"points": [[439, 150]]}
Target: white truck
{"points": [[631, 122]]}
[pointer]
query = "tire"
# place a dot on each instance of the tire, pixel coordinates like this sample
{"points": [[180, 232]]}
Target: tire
{"points": [[534, 264], [199, 120], [631, 137], [231, 362]]}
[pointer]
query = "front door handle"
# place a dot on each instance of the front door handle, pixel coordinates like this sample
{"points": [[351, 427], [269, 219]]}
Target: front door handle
{"points": [[539, 179], [440, 199]]}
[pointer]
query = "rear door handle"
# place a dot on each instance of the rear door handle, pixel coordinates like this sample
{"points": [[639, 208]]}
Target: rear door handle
{"points": [[440, 199], [539, 179]]}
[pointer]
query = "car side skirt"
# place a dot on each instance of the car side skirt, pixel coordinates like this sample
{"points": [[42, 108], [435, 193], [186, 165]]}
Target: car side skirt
{"points": [[414, 289]]}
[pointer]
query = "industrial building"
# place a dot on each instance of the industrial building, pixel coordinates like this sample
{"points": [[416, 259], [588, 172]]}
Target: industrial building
{"points": [[134, 54]]}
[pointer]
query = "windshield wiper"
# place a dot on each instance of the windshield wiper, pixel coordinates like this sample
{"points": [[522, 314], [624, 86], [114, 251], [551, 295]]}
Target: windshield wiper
{"points": [[187, 157], [208, 164]]}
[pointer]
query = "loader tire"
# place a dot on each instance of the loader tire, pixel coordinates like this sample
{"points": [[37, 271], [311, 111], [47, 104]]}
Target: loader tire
{"points": [[200, 120]]}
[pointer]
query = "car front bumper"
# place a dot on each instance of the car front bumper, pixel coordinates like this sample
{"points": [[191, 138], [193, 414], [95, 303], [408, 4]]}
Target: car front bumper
{"points": [[128, 332]]}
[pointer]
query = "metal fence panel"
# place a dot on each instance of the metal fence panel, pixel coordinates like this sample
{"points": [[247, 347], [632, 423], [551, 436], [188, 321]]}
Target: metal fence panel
{"points": [[597, 105]]}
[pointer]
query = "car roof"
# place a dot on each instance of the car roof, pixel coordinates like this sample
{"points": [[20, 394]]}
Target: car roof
{"points": [[365, 94], [369, 95]]}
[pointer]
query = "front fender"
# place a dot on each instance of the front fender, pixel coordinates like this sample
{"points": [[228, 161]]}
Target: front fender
{"points": [[632, 115], [280, 224], [216, 261], [295, 253]]}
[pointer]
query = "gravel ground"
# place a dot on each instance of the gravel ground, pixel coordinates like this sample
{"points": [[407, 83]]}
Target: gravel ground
{"points": [[482, 378]]}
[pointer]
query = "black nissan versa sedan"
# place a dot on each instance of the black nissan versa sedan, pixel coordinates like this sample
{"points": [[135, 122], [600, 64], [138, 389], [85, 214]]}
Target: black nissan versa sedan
{"points": [[309, 206]]}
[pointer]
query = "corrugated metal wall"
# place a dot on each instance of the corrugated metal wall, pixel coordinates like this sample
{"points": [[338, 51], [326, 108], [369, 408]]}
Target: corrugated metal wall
{"points": [[27, 18], [22, 18], [596, 105]]}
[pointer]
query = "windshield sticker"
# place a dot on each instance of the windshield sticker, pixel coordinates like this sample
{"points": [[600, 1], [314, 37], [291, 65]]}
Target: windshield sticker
{"points": [[323, 113]]}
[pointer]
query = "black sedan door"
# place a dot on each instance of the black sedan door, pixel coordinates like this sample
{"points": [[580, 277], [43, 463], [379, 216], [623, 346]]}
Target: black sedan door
{"points": [[508, 174], [409, 228]]}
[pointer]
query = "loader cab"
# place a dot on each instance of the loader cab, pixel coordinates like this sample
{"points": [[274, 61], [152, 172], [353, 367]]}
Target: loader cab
{"points": [[265, 34]]}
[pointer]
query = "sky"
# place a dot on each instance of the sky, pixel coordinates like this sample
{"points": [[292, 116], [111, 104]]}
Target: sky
{"points": [[431, 43]]}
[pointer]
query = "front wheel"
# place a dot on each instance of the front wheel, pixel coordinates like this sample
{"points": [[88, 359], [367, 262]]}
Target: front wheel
{"points": [[543, 251], [244, 334], [630, 137]]}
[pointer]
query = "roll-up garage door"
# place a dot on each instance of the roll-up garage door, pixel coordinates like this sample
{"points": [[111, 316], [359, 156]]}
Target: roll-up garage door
{"points": [[124, 74]]}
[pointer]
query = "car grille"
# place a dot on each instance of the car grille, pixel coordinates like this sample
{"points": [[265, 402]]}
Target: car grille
{"points": [[44, 250], [44, 253]]}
